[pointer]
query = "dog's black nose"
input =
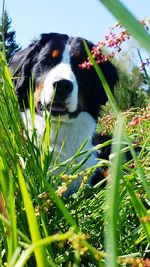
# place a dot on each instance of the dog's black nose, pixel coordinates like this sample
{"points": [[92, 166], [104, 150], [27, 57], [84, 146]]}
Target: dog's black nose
{"points": [[62, 89]]}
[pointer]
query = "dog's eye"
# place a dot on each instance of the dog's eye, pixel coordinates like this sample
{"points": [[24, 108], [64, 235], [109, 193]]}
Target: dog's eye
{"points": [[55, 53]]}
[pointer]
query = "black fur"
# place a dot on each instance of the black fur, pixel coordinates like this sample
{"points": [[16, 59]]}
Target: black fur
{"points": [[34, 62]]}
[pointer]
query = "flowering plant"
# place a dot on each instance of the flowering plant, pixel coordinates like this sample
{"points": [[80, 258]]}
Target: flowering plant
{"points": [[137, 124], [112, 42]]}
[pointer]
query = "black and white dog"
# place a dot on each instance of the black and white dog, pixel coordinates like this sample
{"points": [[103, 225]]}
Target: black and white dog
{"points": [[53, 63]]}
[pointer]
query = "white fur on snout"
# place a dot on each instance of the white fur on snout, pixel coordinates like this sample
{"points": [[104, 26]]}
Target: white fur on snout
{"points": [[60, 72]]}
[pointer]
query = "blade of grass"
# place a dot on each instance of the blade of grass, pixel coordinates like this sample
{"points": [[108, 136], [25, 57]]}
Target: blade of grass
{"points": [[76, 259], [32, 221], [145, 72], [112, 198], [141, 174], [45, 241], [14, 258], [102, 79], [141, 211], [49, 154], [3, 39], [31, 103], [60, 204], [22, 235], [13, 240], [129, 21], [80, 149]]}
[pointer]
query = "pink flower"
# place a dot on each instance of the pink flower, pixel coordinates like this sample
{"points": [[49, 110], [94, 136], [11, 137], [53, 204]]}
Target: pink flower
{"points": [[112, 41], [134, 122]]}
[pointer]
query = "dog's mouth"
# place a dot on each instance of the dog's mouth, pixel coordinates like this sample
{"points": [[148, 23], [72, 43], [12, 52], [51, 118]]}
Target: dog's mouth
{"points": [[55, 108]]}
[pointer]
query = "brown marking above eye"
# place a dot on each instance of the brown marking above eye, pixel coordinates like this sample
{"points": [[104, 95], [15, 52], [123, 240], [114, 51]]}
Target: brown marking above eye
{"points": [[55, 53]]}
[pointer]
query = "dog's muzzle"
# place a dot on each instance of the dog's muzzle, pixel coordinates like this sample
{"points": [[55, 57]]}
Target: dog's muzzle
{"points": [[62, 91]]}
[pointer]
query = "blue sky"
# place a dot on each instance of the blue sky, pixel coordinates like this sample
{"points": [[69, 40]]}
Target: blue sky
{"points": [[84, 18]]}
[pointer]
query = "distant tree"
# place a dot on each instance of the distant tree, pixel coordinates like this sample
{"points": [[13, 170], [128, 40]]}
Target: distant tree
{"points": [[9, 36], [129, 92]]}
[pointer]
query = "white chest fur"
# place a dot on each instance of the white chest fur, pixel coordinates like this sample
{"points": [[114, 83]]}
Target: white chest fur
{"points": [[71, 135]]}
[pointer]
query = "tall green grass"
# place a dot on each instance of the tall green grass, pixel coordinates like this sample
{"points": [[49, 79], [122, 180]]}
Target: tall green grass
{"points": [[102, 226]]}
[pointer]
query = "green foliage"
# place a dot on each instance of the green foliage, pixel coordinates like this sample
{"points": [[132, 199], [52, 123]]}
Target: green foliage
{"points": [[130, 90], [8, 35]]}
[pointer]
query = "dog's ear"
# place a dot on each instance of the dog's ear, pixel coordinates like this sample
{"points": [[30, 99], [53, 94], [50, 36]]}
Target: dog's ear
{"points": [[21, 67], [93, 91], [97, 94]]}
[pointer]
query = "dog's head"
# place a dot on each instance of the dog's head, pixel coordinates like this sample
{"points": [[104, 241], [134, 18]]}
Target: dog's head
{"points": [[51, 64]]}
